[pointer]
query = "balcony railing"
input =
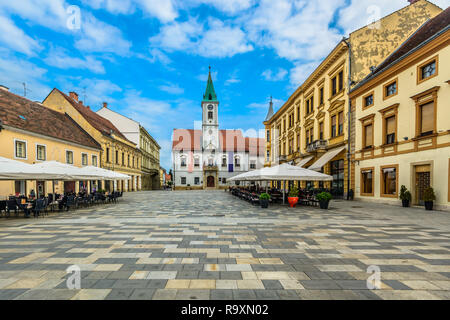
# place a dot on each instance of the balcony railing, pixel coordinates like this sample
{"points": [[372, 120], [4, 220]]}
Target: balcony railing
{"points": [[317, 145]]}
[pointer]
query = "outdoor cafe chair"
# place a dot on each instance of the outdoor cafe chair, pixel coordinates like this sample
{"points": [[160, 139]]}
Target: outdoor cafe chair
{"points": [[2, 207], [12, 205], [40, 206]]}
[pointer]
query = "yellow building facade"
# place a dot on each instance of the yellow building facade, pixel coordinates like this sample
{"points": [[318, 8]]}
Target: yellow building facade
{"points": [[118, 153], [31, 133], [314, 128], [402, 127]]}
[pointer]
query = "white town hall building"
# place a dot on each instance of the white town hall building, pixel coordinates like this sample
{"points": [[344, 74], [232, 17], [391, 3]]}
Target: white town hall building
{"points": [[207, 158]]}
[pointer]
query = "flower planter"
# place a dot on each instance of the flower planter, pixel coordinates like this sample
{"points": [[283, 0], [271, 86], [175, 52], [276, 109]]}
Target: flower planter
{"points": [[324, 204], [429, 205], [405, 203], [264, 203], [293, 201]]}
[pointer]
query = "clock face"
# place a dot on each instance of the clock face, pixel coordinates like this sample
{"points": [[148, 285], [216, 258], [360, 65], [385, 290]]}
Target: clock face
{"points": [[210, 132], [210, 107]]}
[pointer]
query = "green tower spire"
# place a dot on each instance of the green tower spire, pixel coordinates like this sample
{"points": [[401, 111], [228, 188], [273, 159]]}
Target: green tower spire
{"points": [[210, 94]]}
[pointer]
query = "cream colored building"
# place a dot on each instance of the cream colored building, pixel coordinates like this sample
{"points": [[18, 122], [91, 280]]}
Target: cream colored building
{"points": [[403, 120], [32, 133], [147, 145], [314, 128], [118, 153]]}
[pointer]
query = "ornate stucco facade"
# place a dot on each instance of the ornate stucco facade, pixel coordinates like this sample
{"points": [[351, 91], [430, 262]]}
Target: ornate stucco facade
{"points": [[314, 128], [31, 133], [402, 127], [118, 153], [147, 145]]}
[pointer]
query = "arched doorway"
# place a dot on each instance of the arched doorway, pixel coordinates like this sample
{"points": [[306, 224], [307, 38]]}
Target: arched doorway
{"points": [[210, 182]]}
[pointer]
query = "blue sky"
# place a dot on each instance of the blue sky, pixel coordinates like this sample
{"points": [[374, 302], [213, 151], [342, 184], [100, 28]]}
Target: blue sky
{"points": [[149, 58]]}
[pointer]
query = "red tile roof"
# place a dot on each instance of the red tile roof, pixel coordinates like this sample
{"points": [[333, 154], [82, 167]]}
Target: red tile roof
{"points": [[21, 113], [98, 122], [229, 140]]}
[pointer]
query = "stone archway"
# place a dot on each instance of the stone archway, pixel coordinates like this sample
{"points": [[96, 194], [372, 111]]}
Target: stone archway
{"points": [[211, 182]]}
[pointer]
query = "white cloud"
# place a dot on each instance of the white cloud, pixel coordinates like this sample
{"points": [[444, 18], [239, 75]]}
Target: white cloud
{"points": [[60, 59], [265, 105], [216, 40], [14, 72], [49, 13], [275, 76], [171, 88], [227, 6], [294, 29], [112, 6], [302, 71], [163, 10], [97, 36], [14, 38]]}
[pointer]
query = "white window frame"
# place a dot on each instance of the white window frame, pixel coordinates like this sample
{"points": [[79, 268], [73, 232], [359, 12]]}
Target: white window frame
{"points": [[87, 159], [73, 156], [36, 148], [96, 160], [26, 149]]}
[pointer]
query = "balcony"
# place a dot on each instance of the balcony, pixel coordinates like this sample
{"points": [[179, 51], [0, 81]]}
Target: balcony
{"points": [[317, 145]]}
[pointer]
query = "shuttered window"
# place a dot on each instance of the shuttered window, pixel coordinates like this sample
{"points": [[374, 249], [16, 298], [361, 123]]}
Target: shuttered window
{"points": [[368, 134], [427, 118], [390, 130], [341, 123], [333, 126]]}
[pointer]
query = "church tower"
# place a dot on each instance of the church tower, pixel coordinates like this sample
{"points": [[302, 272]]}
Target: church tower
{"points": [[210, 117]]}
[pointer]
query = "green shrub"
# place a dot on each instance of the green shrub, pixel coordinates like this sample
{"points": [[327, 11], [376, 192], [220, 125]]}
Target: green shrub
{"points": [[324, 196], [405, 194], [264, 196], [293, 193], [428, 194]]}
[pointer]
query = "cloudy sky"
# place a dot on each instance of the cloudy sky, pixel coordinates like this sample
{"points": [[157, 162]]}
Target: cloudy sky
{"points": [[149, 58]]}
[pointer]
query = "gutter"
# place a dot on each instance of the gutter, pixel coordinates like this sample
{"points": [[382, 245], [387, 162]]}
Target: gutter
{"points": [[349, 114]]}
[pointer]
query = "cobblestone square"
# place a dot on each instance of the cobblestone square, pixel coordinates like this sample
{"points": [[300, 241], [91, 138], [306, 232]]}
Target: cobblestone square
{"points": [[210, 245]]}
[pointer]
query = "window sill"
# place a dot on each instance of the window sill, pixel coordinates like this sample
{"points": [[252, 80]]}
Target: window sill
{"points": [[428, 136], [387, 145], [388, 196]]}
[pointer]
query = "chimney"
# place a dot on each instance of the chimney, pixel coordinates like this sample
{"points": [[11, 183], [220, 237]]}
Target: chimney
{"points": [[105, 105], [4, 88], [80, 102], [74, 95], [412, 1]]}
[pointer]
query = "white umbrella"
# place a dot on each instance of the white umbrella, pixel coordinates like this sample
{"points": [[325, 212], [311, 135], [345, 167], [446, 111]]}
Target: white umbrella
{"points": [[285, 172], [66, 171], [103, 174], [17, 170]]}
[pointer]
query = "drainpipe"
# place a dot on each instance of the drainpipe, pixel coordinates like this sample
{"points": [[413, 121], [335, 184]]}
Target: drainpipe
{"points": [[349, 114]]}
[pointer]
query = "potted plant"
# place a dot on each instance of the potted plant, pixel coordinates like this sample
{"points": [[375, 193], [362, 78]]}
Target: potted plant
{"points": [[324, 199], [264, 200], [405, 196], [428, 198], [293, 197]]}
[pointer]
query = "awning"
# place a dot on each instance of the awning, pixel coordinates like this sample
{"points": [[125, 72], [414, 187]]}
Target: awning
{"points": [[286, 172], [317, 166], [17, 170], [304, 161]]}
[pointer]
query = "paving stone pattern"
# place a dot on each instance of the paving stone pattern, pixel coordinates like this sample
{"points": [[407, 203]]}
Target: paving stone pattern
{"points": [[204, 245]]}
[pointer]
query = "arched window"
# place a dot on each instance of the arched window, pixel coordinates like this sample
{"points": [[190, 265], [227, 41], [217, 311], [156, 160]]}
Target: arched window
{"points": [[210, 161]]}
